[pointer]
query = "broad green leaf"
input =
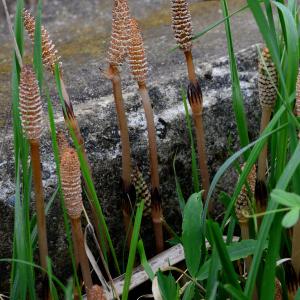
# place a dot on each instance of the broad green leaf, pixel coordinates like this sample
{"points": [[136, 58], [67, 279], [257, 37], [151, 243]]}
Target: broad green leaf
{"points": [[290, 218], [189, 292], [285, 198], [192, 233], [168, 287]]}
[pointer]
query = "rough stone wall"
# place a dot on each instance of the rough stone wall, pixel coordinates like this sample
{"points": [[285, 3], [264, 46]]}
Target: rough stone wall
{"points": [[97, 119]]}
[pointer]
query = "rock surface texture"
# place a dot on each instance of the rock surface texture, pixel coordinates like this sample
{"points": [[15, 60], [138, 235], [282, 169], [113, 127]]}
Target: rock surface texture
{"points": [[97, 119], [81, 32]]}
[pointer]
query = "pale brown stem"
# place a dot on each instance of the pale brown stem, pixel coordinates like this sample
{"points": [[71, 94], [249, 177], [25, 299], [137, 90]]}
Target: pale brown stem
{"points": [[156, 215], [126, 160], [83, 260], [245, 236], [71, 120], [39, 201], [198, 120], [126, 157], [296, 248], [76, 254], [262, 160], [156, 204], [151, 135], [190, 66]]}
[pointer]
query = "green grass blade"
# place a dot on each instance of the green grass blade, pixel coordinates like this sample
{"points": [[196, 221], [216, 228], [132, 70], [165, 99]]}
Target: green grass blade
{"points": [[33, 265], [212, 274], [181, 199], [292, 47], [267, 288], [237, 98], [255, 152], [268, 219], [53, 291], [215, 233], [195, 175], [132, 250], [235, 293], [144, 260]]}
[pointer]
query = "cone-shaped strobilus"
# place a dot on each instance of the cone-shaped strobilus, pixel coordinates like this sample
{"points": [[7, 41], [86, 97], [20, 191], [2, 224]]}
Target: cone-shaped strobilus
{"points": [[71, 186]]}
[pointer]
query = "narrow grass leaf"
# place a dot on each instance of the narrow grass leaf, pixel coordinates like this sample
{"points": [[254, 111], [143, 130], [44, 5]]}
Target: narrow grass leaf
{"points": [[215, 233], [267, 288], [235, 293], [195, 175], [282, 183], [144, 260], [132, 250], [237, 98], [178, 188], [53, 291], [213, 271]]}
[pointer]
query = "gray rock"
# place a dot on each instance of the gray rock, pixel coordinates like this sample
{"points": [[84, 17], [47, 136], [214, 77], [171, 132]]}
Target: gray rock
{"points": [[98, 123], [81, 33]]}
